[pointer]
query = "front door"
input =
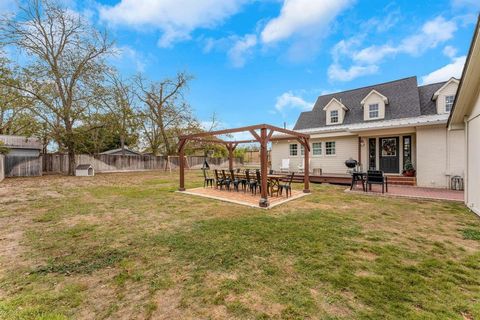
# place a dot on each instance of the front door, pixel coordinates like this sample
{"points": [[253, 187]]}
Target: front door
{"points": [[389, 155]]}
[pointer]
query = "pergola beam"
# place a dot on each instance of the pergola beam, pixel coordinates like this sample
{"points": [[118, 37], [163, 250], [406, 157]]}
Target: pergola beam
{"points": [[264, 138]]}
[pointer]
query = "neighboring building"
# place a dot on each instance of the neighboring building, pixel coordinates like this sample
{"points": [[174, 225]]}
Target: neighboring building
{"points": [[466, 117], [383, 126], [23, 159], [119, 152]]}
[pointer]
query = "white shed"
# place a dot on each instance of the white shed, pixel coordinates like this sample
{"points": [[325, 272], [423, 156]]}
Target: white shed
{"points": [[84, 170]]}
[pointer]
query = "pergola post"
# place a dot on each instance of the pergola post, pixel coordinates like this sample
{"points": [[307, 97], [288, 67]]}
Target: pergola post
{"points": [[306, 181], [181, 155], [263, 168]]}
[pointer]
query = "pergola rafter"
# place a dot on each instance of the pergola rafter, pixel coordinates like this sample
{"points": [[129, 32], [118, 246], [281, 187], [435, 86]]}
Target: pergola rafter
{"points": [[265, 136]]}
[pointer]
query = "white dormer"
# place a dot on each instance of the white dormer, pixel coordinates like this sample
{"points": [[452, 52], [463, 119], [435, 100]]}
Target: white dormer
{"points": [[374, 105], [445, 96], [335, 112]]}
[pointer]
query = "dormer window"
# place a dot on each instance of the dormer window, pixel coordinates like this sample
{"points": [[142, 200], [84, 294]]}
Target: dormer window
{"points": [[374, 105], [334, 116], [335, 112], [373, 111], [445, 96], [449, 103]]}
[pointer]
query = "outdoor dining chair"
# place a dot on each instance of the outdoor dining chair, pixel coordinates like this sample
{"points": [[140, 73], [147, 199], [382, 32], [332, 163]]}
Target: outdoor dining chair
{"points": [[235, 180], [219, 182], [251, 183], [226, 180], [287, 186], [207, 181]]}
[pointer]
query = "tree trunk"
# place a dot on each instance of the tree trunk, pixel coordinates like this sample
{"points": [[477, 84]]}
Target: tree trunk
{"points": [[122, 144], [71, 161]]}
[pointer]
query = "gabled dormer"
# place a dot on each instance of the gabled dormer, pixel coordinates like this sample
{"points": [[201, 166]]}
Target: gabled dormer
{"points": [[445, 96], [335, 112], [374, 106]]}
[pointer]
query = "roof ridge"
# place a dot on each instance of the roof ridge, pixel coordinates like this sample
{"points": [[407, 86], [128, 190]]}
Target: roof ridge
{"points": [[372, 85]]}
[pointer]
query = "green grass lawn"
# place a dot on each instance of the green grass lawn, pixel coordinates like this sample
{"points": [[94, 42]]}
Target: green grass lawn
{"points": [[127, 246]]}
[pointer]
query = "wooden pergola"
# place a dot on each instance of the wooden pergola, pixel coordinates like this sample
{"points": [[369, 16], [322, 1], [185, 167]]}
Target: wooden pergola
{"points": [[261, 133]]}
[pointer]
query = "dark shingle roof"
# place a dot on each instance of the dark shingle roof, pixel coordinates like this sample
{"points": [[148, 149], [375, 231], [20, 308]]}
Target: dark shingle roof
{"points": [[404, 101], [427, 105]]}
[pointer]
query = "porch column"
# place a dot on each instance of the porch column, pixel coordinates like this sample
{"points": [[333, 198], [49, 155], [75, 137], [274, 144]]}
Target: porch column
{"points": [[263, 168], [360, 151], [181, 155], [306, 176]]}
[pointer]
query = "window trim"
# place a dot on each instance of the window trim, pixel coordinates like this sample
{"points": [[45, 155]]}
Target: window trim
{"points": [[334, 149], [290, 149], [313, 149], [447, 103], [337, 116], [370, 110]]}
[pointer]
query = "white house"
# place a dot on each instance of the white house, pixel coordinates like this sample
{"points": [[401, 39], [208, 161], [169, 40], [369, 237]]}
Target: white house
{"points": [[384, 127], [465, 118]]}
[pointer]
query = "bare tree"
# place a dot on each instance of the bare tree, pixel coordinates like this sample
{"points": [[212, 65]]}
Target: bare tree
{"points": [[119, 101], [66, 65], [165, 112]]}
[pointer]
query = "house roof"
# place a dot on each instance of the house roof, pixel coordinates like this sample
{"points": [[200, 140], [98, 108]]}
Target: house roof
{"points": [[405, 100]]}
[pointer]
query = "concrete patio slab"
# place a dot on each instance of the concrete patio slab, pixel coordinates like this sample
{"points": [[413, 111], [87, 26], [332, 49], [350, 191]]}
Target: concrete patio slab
{"points": [[242, 198]]}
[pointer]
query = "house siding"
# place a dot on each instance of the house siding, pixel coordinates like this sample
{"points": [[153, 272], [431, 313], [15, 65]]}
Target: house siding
{"points": [[440, 155], [345, 147], [473, 156]]}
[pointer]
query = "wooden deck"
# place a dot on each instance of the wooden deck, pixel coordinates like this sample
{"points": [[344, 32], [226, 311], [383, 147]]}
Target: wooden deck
{"points": [[346, 179]]}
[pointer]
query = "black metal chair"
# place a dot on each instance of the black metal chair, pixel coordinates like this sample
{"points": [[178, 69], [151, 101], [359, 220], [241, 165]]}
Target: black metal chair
{"points": [[234, 180], [226, 180], [358, 177], [376, 177], [259, 181], [287, 186], [219, 182], [207, 181], [251, 183]]}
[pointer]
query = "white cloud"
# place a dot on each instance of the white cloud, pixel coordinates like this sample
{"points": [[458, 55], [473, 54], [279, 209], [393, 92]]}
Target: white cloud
{"points": [[126, 56], [242, 48], [450, 51], [366, 60], [288, 100], [175, 18], [453, 69], [302, 17], [336, 72]]}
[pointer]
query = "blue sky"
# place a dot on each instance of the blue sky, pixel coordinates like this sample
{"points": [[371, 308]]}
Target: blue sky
{"points": [[260, 61]]}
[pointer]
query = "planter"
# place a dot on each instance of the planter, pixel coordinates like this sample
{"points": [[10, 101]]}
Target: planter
{"points": [[409, 173]]}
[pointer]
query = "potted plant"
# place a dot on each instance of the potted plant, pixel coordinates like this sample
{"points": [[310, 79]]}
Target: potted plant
{"points": [[408, 169]]}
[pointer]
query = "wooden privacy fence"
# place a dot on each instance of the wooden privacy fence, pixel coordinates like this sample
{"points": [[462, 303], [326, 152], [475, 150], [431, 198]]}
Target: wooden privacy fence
{"points": [[22, 166], [58, 163], [2, 167]]}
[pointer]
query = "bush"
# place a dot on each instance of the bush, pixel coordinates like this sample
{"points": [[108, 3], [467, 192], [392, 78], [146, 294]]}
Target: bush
{"points": [[3, 148]]}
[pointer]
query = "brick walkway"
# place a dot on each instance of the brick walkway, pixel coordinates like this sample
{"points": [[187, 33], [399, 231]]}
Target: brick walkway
{"points": [[243, 198], [413, 192]]}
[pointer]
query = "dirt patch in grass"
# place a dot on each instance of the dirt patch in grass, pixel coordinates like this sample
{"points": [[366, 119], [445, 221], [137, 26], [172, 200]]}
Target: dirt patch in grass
{"points": [[126, 246]]}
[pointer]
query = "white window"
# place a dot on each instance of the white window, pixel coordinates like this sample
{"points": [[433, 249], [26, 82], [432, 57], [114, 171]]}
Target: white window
{"points": [[373, 111], [317, 148], [449, 103], [302, 150], [334, 116], [293, 150], [330, 148]]}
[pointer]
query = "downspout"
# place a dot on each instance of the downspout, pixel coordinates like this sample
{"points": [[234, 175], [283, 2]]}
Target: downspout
{"points": [[465, 176]]}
